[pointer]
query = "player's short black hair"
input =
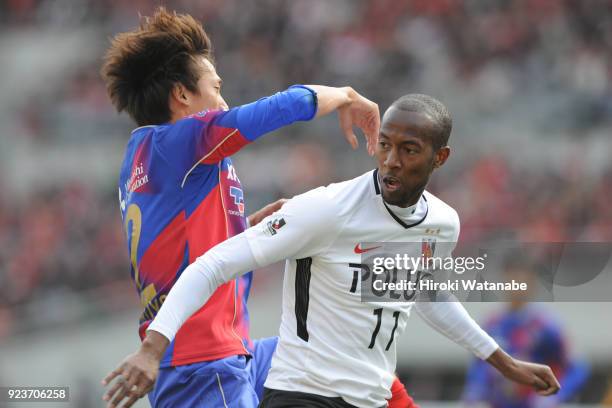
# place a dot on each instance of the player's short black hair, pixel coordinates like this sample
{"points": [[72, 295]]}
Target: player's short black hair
{"points": [[425, 104], [142, 66]]}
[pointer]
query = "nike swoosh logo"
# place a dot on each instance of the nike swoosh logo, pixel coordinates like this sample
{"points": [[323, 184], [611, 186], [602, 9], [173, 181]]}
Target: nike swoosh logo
{"points": [[361, 251]]}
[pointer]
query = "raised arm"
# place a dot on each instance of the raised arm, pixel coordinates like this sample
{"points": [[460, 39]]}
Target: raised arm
{"points": [[210, 136]]}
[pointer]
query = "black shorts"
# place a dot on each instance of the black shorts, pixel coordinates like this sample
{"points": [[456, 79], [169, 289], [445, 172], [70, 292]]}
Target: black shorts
{"points": [[293, 399]]}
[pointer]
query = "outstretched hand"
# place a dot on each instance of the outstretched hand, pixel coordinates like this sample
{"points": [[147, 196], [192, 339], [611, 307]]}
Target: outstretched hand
{"points": [[364, 114], [354, 110], [136, 374], [540, 377]]}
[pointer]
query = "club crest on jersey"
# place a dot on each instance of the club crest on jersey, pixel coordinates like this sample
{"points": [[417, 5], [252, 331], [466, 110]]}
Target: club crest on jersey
{"points": [[428, 246], [238, 197], [274, 225]]}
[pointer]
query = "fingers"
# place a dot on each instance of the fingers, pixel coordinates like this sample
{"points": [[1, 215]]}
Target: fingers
{"points": [[552, 384], [364, 114], [123, 391], [133, 389], [116, 386], [126, 388], [275, 206], [116, 372], [368, 119], [346, 124], [539, 384], [131, 401], [132, 384], [373, 130]]}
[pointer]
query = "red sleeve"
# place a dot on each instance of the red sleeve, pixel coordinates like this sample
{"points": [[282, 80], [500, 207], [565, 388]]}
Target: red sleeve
{"points": [[400, 397]]}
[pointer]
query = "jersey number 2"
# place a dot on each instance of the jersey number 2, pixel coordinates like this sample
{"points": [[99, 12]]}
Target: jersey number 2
{"points": [[378, 313]]}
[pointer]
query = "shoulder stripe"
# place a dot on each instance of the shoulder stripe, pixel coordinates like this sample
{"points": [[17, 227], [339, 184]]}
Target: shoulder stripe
{"points": [[206, 156]]}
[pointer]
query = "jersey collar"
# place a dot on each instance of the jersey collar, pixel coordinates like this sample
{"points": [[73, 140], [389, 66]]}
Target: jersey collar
{"points": [[142, 127]]}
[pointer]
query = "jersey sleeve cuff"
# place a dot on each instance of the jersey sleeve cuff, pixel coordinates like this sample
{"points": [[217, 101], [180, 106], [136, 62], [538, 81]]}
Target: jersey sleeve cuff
{"points": [[311, 100], [488, 347], [161, 329]]}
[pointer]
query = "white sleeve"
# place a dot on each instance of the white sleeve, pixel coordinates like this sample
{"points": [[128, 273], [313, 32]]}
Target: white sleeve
{"points": [[301, 229], [449, 317], [305, 226]]}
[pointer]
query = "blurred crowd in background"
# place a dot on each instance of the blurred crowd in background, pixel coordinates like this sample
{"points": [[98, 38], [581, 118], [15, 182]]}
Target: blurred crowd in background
{"points": [[529, 83]]}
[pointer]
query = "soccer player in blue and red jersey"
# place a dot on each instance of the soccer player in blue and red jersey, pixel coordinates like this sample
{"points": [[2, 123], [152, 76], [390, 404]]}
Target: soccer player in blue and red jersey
{"points": [[180, 195], [528, 332]]}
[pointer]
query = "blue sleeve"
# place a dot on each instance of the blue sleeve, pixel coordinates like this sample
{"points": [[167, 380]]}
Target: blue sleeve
{"points": [[298, 103], [210, 136]]}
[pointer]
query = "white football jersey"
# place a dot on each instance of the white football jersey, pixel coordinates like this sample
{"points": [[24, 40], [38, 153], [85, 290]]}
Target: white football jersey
{"points": [[331, 343]]}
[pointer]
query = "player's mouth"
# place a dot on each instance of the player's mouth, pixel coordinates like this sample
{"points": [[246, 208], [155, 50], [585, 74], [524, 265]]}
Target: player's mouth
{"points": [[391, 183]]}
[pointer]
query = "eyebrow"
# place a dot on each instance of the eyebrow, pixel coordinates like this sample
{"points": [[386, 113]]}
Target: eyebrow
{"points": [[405, 142]]}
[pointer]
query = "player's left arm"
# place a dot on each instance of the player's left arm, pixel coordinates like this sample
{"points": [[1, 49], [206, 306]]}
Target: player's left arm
{"points": [[208, 137], [447, 315]]}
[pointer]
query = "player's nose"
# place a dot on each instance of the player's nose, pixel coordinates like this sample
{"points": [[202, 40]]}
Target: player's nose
{"points": [[392, 159], [222, 104]]}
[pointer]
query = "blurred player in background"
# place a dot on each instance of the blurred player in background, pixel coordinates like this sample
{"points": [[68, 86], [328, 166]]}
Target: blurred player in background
{"points": [[180, 195], [528, 332], [336, 350]]}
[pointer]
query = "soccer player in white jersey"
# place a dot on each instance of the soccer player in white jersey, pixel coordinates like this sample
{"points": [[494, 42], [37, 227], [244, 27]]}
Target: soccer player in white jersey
{"points": [[335, 350]]}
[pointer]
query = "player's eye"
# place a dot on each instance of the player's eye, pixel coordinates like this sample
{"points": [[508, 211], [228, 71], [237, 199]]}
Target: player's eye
{"points": [[383, 144]]}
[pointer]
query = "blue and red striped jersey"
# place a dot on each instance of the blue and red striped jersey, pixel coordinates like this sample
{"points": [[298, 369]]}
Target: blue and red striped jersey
{"points": [[179, 196]]}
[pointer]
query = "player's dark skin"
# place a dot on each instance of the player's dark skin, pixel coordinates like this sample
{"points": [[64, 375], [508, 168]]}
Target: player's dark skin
{"points": [[407, 155]]}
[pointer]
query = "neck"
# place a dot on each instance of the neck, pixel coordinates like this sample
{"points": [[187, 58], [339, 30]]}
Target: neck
{"points": [[176, 117], [414, 198]]}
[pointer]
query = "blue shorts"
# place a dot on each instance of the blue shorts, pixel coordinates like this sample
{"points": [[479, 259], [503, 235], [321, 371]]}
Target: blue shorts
{"points": [[232, 382]]}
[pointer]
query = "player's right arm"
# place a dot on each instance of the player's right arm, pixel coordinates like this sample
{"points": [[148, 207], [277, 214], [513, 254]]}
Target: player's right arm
{"points": [[305, 225], [210, 136]]}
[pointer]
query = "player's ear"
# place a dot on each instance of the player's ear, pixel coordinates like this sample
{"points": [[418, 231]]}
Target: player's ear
{"points": [[441, 156], [180, 95]]}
